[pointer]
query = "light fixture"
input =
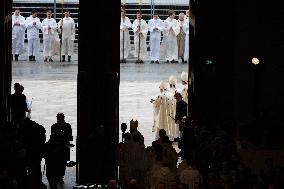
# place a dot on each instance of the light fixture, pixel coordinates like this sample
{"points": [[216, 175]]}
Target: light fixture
{"points": [[255, 61]]}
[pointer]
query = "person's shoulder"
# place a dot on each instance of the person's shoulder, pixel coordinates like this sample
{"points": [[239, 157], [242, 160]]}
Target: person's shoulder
{"points": [[54, 125], [67, 124]]}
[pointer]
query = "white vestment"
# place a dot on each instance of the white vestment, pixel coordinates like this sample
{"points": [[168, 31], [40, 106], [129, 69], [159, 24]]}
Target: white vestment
{"points": [[68, 35], [184, 93], [173, 129], [18, 34], [140, 41], [155, 37], [169, 47], [161, 114], [33, 34], [186, 48], [51, 41], [124, 37]]}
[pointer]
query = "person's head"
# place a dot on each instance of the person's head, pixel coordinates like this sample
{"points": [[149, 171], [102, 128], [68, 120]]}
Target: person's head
{"points": [[139, 15], [187, 13], [60, 117], [181, 16], [112, 184], [17, 12], [17, 87], [160, 185], [34, 13], [172, 14], [48, 13], [156, 15], [133, 184], [178, 97], [122, 12], [66, 13], [162, 133]]}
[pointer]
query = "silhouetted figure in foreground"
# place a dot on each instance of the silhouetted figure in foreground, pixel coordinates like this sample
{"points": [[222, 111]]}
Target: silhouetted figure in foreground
{"points": [[18, 105], [58, 151], [55, 159], [34, 138]]}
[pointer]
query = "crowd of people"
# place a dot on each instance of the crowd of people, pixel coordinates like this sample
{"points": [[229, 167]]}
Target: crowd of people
{"points": [[23, 146], [51, 31], [209, 159], [173, 33]]}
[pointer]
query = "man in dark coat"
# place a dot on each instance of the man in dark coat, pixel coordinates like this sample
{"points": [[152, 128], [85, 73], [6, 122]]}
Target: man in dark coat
{"points": [[181, 108], [62, 133]]}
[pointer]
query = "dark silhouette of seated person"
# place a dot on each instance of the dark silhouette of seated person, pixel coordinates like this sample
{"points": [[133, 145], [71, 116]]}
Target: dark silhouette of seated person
{"points": [[18, 105]]}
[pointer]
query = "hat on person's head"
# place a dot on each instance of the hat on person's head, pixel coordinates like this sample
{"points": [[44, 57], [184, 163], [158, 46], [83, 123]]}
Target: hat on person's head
{"points": [[184, 77], [163, 85], [178, 95], [172, 80]]}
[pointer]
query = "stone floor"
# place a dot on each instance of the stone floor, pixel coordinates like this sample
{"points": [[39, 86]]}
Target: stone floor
{"points": [[52, 87]]}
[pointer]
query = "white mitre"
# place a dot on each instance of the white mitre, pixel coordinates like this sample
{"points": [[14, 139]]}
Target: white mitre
{"points": [[184, 77], [172, 80], [163, 85]]}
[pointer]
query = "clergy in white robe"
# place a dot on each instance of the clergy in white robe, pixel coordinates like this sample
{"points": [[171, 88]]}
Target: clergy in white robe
{"points": [[155, 26], [67, 30], [181, 37], [161, 111], [125, 47], [186, 48], [140, 29], [33, 26], [169, 47], [173, 129], [184, 91], [18, 33], [50, 37]]}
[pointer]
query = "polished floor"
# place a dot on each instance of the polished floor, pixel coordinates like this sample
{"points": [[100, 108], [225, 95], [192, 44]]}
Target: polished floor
{"points": [[52, 88]]}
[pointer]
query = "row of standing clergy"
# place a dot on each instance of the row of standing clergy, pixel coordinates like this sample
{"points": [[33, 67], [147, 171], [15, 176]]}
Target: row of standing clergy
{"points": [[175, 43], [49, 27]]}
